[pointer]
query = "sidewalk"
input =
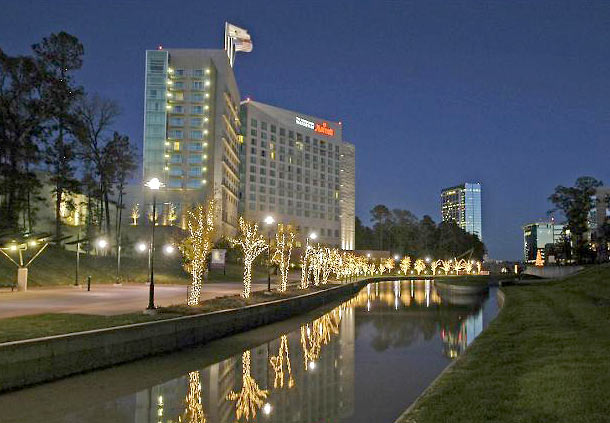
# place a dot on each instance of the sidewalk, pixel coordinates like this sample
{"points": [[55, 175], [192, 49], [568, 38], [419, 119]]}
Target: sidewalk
{"points": [[105, 299]]}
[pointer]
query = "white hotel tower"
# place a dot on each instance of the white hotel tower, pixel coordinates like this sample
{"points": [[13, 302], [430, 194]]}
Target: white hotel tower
{"points": [[298, 169]]}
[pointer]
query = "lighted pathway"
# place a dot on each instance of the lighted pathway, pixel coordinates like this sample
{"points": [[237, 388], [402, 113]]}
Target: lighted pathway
{"points": [[104, 299]]}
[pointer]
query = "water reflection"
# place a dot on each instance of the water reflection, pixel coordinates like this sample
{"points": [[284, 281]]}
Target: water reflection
{"points": [[382, 347]]}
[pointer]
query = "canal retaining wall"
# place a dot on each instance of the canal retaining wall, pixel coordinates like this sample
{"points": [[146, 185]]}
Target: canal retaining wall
{"points": [[32, 361], [552, 272]]}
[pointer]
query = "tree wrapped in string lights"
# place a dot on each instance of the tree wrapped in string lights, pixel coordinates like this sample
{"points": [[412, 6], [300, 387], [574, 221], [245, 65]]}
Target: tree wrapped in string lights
{"points": [[539, 260], [305, 263], [284, 242], [135, 214], [458, 265], [434, 265], [252, 243], [197, 245], [330, 261], [447, 266], [389, 264], [316, 258], [405, 264], [468, 266], [479, 267], [251, 396], [172, 216], [419, 266]]}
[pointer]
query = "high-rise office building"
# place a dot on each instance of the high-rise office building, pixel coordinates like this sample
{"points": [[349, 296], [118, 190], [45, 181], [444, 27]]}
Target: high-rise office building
{"points": [[191, 132], [536, 236], [298, 169], [462, 204]]}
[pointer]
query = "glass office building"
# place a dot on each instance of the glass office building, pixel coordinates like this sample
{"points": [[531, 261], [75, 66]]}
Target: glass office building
{"points": [[536, 236], [462, 204], [191, 132]]}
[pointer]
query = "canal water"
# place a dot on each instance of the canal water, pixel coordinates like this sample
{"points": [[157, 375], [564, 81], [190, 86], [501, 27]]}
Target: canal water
{"points": [[364, 360]]}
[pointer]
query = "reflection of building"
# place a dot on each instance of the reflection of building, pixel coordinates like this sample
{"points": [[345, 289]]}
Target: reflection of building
{"points": [[462, 204], [298, 168], [456, 338], [191, 130], [324, 387], [322, 390], [536, 236]]}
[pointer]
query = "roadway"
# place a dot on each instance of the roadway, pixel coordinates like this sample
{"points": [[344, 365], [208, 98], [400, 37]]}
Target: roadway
{"points": [[105, 299]]}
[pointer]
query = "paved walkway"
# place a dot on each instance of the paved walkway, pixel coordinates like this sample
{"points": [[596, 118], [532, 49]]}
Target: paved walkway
{"points": [[104, 299]]}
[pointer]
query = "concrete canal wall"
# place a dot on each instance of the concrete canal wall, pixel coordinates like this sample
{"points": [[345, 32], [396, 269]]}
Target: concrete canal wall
{"points": [[32, 361], [552, 272]]}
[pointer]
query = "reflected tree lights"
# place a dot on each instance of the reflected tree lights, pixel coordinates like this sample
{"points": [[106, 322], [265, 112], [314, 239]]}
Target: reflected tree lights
{"points": [[277, 363], [193, 412], [251, 397]]}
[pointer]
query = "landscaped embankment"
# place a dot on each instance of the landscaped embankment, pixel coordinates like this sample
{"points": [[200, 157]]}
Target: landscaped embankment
{"points": [[33, 361], [544, 358]]}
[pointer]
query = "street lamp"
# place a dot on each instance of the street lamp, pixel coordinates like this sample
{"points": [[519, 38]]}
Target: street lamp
{"points": [[154, 184], [267, 409], [269, 220], [168, 249], [101, 243]]}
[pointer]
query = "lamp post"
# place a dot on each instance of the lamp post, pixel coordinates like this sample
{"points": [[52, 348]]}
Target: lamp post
{"points": [[154, 184], [269, 220]]}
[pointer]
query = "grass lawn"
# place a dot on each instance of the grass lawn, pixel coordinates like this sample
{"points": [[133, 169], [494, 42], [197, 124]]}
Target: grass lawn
{"points": [[56, 266], [546, 358], [40, 325]]}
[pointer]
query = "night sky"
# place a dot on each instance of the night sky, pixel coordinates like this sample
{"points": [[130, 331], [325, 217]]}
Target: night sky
{"points": [[512, 94]]}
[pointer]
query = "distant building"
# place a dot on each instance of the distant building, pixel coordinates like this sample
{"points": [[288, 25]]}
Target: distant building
{"points": [[598, 216], [536, 236], [462, 205], [298, 169], [191, 132]]}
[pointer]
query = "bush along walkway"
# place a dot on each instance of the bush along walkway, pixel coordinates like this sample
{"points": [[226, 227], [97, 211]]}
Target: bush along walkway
{"points": [[545, 358]]}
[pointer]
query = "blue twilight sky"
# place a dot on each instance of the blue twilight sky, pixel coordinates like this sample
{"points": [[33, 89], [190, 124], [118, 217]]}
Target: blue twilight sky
{"points": [[513, 94]]}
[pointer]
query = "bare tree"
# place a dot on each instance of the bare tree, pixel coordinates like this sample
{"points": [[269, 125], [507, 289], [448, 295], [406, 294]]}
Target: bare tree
{"points": [[95, 117]]}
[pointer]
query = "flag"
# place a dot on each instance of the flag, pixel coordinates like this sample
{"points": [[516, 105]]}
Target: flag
{"points": [[237, 32], [240, 37], [243, 45]]}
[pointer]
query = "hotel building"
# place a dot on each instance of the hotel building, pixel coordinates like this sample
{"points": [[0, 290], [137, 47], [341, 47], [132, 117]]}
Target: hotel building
{"points": [[298, 169], [462, 204], [191, 132]]}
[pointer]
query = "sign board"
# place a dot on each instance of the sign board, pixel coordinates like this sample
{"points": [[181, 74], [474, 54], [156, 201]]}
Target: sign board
{"points": [[218, 259], [321, 128]]}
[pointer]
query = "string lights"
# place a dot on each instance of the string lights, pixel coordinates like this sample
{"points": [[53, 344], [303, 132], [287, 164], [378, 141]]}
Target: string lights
{"points": [[420, 266], [193, 413], [197, 246], [277, 363], [405, 264], [251, 397], [135, 214], [252, 243], [284, 242]]}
